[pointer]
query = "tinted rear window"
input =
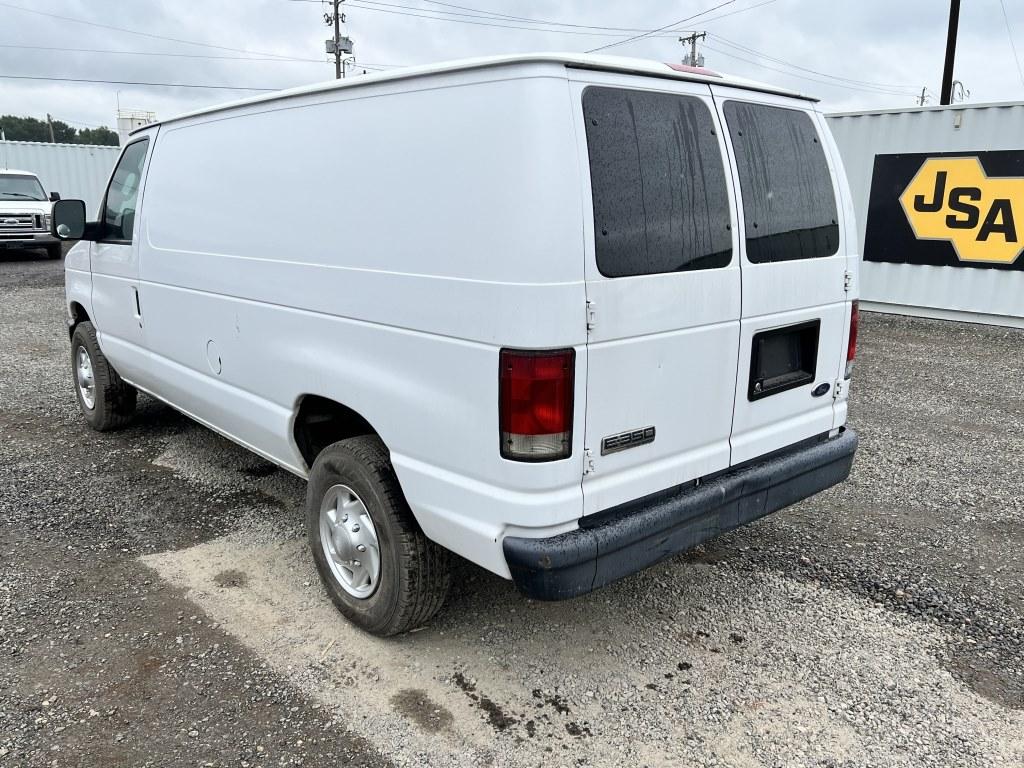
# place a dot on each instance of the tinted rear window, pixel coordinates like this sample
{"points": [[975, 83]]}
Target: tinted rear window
{"points": [[789, 205], [658, 183]]}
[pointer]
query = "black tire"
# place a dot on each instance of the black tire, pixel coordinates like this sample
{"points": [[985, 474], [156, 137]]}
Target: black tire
{"points": [[114, 400], [54, 251], [414, 571]]}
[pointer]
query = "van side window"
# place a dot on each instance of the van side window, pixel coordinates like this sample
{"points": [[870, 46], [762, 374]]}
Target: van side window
{"points": [[658, 183], [123, 193], [789, 205]]}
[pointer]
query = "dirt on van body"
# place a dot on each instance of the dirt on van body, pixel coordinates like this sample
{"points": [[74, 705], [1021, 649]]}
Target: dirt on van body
{"points": [[158, 607]]}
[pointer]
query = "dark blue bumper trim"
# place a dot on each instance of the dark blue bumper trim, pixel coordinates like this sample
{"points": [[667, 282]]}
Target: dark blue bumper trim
{"points": [[640, 534]]}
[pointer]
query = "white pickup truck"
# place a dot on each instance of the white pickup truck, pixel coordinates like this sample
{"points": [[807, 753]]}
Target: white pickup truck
{"points": [[562, 315], [25, 213]]}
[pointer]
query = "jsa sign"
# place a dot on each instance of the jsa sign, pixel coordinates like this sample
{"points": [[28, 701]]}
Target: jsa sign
{"points": [[963, 210], [953, 199]]}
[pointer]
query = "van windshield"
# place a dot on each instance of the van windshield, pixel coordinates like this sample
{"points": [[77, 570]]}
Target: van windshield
{"points": [[20, 188]]}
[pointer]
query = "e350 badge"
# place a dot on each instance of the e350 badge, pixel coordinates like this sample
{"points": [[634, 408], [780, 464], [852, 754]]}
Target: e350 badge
{"points": [[625, 440]]}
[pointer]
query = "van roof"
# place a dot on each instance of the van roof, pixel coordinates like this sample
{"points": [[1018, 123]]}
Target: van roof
{"points": [[571, 60], [13, 172]]}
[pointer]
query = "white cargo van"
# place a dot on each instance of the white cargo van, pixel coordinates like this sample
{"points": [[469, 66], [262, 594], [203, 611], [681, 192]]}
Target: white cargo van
{"points": [[561, 315]]}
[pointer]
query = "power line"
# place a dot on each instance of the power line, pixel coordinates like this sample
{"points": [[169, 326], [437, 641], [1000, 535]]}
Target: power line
{"points": [[136, 82], [474, 20], [156, 53], [662, 29], [807, 77], [738, 46], [494, 14], [147, 34], [738, 10], [354, 62], [79, 122], [362, 4], [487, 15], [476, 14], [487, 19], [1013, 45]]}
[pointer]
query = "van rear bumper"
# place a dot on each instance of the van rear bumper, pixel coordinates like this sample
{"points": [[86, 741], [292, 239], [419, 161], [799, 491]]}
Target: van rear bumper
{"points": [[639, 534]]}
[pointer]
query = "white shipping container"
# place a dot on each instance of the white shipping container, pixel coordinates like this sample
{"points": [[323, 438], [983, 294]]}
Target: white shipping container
{"points": [[78, 171], [957, 291]]}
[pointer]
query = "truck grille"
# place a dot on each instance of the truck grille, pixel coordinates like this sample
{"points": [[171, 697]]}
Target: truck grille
{"points": [[12, 224]]}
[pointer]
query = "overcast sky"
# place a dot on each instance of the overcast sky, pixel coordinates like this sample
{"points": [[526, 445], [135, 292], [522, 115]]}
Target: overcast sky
{"points": [[882, 51]]}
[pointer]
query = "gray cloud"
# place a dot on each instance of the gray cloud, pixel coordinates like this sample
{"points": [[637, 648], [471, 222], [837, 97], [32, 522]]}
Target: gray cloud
{"points": [[898, 43]]}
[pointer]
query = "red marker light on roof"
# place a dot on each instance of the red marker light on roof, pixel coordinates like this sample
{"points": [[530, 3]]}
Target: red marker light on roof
{"points": [[692, 70]]}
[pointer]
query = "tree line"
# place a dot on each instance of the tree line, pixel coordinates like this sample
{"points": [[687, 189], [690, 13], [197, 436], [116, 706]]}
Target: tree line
{"points": [[32, 129]]}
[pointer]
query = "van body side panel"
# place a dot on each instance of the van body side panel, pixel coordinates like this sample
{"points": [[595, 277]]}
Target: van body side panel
{"points": [[786, 182], [663, 343], [78, 277], [384, 269]]}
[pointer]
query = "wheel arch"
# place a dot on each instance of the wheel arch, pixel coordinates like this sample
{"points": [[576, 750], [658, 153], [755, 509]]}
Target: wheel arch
{"points": [[77, 314], [319, 421]]}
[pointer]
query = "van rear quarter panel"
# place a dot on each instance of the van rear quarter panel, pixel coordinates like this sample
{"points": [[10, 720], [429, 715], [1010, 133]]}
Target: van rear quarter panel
{"points": [[378, 246]]}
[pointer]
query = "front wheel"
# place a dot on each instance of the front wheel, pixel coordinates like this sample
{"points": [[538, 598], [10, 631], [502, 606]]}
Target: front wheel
{"points": [[379, 569], [54, 251], [106, 400]]}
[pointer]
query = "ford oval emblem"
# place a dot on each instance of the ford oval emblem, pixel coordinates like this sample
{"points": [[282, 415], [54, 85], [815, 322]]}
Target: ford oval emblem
{"points": [[821, 389]]}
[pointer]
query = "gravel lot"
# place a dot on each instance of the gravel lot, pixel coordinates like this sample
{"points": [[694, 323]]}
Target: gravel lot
{"points": [[157, 606]]}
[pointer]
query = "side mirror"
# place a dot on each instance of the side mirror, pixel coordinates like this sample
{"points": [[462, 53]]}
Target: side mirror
{"points": [[54, 197], [68, 219]]}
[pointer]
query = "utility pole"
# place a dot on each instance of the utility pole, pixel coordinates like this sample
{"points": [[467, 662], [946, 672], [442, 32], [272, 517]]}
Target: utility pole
{"points": [[49, 122], [692, 40], [946, 96], [338, 45], [920, 101], [337, 36]]}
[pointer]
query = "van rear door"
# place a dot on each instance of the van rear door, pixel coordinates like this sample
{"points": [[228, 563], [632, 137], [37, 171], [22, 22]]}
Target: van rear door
{"points": [[793, 256], [663, 285]]}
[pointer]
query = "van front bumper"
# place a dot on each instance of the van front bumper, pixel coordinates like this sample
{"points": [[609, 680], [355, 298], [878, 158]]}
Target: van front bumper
{"points": [[629, 538]]}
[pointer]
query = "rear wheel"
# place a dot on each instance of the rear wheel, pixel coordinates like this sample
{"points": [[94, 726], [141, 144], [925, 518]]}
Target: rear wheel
{"points": [[379, 569], [106, 401]]}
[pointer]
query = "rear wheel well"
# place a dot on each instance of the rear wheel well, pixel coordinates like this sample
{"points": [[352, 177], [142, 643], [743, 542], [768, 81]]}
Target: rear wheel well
{"points": [[320, 422], [78, 315]]}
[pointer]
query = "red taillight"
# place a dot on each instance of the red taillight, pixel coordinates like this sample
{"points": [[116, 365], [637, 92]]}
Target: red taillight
{"points": [[851, 348], [535, 403]]}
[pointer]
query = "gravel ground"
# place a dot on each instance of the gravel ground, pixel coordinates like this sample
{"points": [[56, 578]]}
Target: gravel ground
{"points": [[157, 606]]}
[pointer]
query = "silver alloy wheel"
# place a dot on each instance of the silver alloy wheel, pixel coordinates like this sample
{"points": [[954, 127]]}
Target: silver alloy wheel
{"points": [[349, 541], [86, 380]]}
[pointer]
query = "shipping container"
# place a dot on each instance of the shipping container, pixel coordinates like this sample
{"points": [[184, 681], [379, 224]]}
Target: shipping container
{"points": [[939, 197], [74, 170]]}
